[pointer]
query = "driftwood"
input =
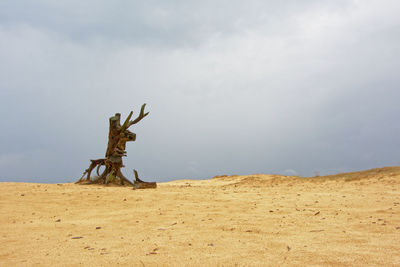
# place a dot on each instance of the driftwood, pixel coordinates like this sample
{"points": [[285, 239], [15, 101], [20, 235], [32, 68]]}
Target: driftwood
{"points": [[118, 135], [139, 184]]}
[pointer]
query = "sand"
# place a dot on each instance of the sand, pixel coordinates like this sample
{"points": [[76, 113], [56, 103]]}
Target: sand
{"points": [[256, 220]]}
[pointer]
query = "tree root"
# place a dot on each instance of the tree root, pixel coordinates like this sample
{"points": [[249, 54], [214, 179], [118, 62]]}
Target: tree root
{"points": [[88, 171], [112, 176], [139, 184]]}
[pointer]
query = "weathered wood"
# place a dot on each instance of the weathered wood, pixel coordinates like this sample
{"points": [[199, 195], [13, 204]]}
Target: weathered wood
{"points": [[139, 184], [118, 136], [93, 164]]}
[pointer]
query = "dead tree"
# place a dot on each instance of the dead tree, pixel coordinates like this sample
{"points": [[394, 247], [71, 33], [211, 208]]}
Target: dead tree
{"points": [[118, 135]]}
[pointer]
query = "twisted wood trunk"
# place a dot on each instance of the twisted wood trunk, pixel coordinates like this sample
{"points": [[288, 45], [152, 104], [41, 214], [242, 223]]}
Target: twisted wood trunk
{"points": [[118, 135]]}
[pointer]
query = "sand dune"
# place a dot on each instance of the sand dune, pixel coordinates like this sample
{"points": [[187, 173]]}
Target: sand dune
{"points": [[348, 219]]}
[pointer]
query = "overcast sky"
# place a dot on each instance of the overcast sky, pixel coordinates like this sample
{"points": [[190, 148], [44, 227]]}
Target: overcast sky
{"points": [[233, 87]]}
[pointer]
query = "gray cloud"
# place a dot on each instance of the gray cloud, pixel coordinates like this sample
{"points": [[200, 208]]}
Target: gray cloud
{"points": [[232, 88], [159, 23]]}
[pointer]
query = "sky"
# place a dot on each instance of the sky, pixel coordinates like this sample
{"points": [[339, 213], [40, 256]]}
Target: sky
{"points": [[233, 87]]}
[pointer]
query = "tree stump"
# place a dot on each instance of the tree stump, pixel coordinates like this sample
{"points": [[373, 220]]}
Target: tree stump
{"points": [[118, 135]]}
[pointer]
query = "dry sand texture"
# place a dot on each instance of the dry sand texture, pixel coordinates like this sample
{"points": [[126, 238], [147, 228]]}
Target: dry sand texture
{"points": [[257, 220]]}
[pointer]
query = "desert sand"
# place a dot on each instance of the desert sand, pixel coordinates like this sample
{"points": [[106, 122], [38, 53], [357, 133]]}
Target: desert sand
{"points": [[348, 219]]}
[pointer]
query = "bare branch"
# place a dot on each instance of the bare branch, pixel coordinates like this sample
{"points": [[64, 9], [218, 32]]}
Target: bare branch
{"points": [[126, 123], [140, 117]]}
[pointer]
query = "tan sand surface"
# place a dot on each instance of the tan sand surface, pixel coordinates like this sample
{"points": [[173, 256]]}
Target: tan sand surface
{"points": [[256, 220]]}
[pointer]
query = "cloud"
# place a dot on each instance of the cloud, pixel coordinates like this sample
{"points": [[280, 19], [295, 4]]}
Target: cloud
{"points": [[231, 88]]}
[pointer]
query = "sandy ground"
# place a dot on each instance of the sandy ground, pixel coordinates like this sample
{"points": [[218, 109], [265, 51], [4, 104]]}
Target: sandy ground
{"points": [[257, 220]]}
